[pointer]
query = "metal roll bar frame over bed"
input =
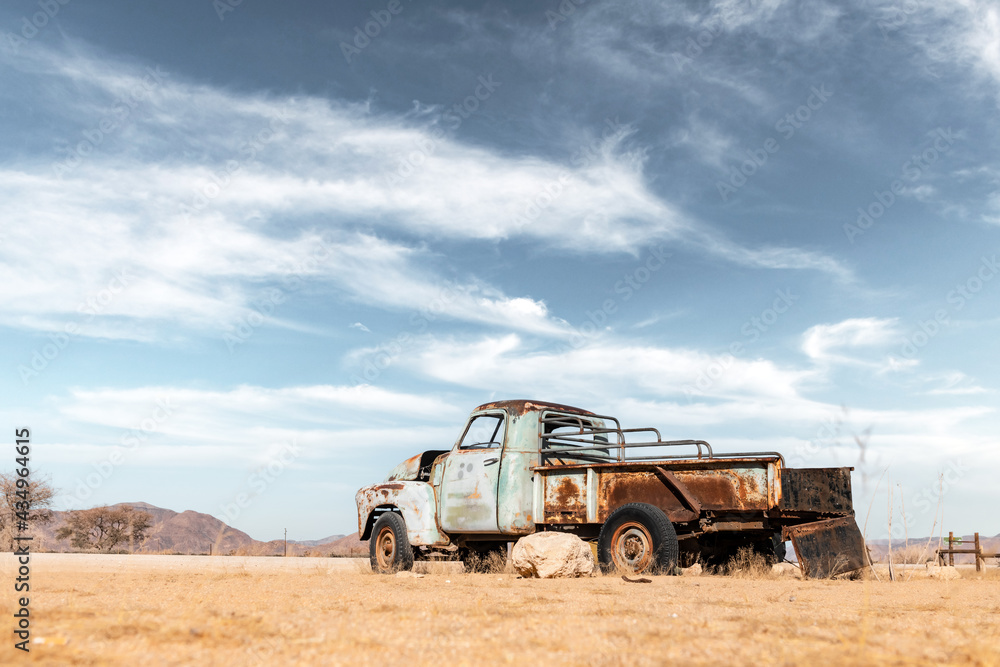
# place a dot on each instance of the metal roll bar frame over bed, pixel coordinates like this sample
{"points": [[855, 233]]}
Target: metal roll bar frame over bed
{"points": [[589, 437]]}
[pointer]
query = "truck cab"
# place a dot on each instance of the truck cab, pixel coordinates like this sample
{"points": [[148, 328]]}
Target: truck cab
{"points": [[478, 491]]}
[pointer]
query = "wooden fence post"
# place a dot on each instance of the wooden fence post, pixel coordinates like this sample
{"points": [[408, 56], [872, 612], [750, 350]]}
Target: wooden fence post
{"points": [[979, 554]]}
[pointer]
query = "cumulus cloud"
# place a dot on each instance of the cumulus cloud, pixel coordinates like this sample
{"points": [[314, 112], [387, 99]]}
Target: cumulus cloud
{"points": [[510, 365], [689, 392]]}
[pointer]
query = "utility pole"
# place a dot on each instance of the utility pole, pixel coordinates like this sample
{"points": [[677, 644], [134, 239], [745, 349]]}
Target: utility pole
{"points": [[286, 543]]}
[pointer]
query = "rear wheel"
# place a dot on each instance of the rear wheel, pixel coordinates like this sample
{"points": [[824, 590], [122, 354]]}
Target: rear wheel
{"points": [[389, 548], [637, 538]]}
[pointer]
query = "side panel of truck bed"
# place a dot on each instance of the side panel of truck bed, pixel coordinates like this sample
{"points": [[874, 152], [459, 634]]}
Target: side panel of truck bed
{"points": [[588, 493], [731, 486]]}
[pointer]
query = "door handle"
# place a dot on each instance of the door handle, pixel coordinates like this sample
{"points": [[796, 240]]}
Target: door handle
{"points": [[489, 462]]}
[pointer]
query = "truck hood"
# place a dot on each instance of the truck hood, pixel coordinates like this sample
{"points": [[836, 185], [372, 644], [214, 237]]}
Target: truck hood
{"points": [[410, 469]]}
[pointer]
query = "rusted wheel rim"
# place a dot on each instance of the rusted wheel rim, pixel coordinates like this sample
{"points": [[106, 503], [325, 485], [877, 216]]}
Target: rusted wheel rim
{"points": [[385, 550], [632, 547]]}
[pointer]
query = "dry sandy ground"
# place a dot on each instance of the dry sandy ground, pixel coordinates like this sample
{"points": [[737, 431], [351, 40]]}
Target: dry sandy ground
{"points": [[149, 610]]}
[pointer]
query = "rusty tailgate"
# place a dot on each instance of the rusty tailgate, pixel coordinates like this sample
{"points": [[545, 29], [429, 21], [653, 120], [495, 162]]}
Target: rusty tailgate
{"points": [[828, 548]]}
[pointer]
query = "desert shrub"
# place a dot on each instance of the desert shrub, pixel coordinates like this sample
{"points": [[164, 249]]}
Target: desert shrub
{"points": [[912, 554], [489, 562], [747, 563]]}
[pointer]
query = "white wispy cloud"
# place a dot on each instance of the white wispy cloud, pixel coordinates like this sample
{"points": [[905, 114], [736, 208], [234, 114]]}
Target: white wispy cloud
{"points": [[707, 142], [954, 383], [831, 343], [964, 33], [195, 191], [773, 257], [244, 425]]}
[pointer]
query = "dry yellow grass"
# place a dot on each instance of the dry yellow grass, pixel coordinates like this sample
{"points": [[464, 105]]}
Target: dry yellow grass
{"points": [[146, 614]]}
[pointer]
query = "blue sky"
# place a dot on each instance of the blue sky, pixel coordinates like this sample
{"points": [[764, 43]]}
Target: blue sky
{"points": [[253, 250]]}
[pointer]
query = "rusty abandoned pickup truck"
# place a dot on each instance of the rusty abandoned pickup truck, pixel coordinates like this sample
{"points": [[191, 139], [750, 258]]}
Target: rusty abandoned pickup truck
{"points": [[651, 505]]}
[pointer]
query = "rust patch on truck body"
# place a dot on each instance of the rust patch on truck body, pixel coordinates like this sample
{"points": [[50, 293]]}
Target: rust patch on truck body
{"points": [[736, 489], [522, 406], [620, 488], [565, 498]]}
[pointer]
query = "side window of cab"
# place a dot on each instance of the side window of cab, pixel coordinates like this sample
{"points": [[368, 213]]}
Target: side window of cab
{"points": [[484, 432]]}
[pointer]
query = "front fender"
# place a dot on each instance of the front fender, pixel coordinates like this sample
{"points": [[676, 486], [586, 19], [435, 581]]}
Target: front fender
{"points": [[414, 500]]}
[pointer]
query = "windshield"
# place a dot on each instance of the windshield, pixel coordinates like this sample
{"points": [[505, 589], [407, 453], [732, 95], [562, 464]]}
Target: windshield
{"points": [[484, 432]]}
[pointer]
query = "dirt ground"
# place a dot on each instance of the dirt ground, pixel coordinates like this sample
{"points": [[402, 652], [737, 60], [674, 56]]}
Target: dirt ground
{"points": [[143, 610]]}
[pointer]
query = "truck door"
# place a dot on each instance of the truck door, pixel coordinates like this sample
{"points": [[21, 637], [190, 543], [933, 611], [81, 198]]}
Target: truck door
{"points": [[471, 471]]}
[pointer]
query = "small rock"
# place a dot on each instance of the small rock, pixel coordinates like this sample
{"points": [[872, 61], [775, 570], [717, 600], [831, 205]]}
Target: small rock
{"points": [[54, 641], [943, 572], [693, 571], [785, 570]]}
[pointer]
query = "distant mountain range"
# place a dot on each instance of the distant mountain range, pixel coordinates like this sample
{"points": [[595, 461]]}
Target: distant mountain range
{"points": [[192, 532]]}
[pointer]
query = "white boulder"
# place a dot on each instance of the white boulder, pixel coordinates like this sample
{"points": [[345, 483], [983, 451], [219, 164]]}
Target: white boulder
{"points": [[551, 554]]}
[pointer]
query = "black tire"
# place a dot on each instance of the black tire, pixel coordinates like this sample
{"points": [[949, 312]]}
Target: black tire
{"points": [[389, 548], [638, 538]]}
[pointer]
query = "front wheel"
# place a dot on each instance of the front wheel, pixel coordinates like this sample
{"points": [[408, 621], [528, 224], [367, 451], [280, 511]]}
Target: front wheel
{"points": [[389, 548], [637, 538]]}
